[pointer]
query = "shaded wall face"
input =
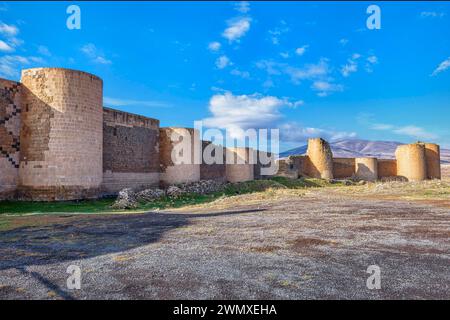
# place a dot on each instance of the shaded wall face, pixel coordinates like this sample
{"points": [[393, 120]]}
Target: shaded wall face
{"points": [[10, 109], [213, 171], [61, 135], [433, 159], [343, 167], [387, 168], [366, 169], [130, 151]]}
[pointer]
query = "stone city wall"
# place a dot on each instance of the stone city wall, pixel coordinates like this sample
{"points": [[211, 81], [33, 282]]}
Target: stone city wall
{"points": [[130, 151]]}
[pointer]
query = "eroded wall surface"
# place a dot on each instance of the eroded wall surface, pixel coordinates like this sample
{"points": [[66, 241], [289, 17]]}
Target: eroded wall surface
{"points": [[130, 151], [10, 108]]}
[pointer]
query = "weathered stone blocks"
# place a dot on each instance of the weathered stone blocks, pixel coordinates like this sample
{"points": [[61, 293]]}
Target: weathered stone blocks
{"points": [[61, 134]]}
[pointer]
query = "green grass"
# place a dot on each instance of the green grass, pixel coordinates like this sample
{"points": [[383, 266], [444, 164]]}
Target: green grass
{"points": [[103, 205], [28, 207]]}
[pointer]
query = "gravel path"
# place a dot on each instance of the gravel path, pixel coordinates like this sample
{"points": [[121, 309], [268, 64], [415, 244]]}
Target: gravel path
{"points": [[309, 247]]}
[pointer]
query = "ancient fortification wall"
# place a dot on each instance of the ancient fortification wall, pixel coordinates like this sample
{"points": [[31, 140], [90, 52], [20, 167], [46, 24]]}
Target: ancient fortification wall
{"points": [[179, 171], [61, 136], [214, 170], [288, 168], [387, 168], [239, 164], [10, 121], [411, 161], [320, 159], [366, 169], [343, 167], [57, 142], [130, 151]]}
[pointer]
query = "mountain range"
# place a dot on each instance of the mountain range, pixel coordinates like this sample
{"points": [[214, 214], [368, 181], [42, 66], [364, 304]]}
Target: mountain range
{"points": [[352, 148]]}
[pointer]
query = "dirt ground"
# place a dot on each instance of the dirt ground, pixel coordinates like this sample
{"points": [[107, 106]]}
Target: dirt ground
{"points": [[280, 244]]}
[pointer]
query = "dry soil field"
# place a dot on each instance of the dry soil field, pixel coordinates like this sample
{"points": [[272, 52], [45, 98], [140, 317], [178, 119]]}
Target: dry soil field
{"points": [[277, 244]]}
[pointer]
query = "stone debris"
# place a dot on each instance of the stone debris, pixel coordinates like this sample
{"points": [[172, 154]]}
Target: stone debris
{"points": [[129, 199], [202, 186], [125, 200], [149, 195], [174, 192]]}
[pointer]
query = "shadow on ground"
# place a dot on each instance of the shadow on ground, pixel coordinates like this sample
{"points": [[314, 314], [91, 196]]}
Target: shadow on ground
{"points": [[91, 237]]}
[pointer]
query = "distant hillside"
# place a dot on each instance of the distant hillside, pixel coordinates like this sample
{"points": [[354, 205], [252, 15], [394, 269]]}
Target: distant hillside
{"points": [[362, 148]]}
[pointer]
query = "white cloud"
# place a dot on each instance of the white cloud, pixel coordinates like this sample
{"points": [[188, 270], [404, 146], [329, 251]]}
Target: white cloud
{"points": [[223, 62], [347, 69], [102, 60], [284, 55], [11, 42], [5, 47], [10, 65], [351, 66], [8, 30], [382, 126], [444, 65], [277, 32], [91, 51], [301, 51], [432, 14], [44, 51], [241, 112], [116, 102], [309, 71], [242, 6], [343, 41], [325, 88], [409, 130], [237, 28], [239, 73], [293, 132], [214, 46], [416, 132], [318, 73], [372, 59]]}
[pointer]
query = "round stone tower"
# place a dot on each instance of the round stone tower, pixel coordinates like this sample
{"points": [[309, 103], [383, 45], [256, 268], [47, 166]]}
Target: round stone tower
{"points": [[61, 135], [411, 161], [320, 159], [433, 158], [180, 155], [366, 169]]}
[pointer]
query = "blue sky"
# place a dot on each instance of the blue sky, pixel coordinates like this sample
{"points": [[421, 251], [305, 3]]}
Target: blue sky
{"points": [[308, 68]]}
